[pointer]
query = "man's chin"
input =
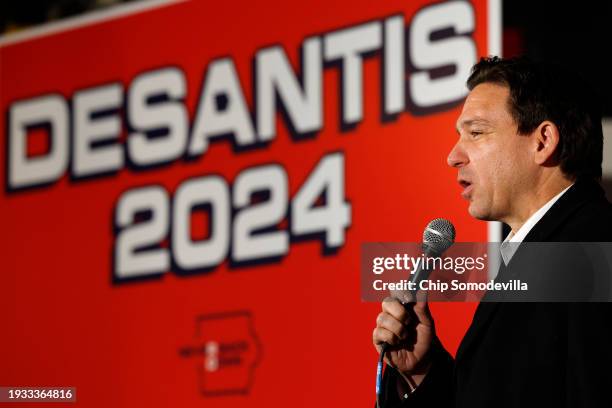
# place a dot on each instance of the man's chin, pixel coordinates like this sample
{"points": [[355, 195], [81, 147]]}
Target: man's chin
{"points": [[479, 213]]}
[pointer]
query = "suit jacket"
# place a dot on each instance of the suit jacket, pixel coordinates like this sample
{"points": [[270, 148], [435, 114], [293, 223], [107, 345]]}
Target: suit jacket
{"points": [[530, 354]]}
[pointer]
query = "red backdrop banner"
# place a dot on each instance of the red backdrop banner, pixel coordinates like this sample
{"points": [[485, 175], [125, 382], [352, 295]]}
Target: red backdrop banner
{"points": [[187, 186]]}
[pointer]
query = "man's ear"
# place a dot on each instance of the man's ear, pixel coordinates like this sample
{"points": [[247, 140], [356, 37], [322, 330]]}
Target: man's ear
{"points": [[546, 142]]}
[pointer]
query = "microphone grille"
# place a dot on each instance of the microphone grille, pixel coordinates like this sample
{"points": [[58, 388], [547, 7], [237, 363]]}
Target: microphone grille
{"points": [[439, 235]]}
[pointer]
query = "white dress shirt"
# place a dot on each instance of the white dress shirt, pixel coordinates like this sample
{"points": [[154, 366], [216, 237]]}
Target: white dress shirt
{"points": [[512, 241]]}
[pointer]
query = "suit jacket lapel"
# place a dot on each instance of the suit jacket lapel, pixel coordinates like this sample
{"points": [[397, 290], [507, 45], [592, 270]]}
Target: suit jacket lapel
{"points": [[482, 316]]}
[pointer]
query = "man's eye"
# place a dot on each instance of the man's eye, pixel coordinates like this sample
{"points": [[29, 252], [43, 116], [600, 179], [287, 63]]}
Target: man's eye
{"points": [[475, 133]]}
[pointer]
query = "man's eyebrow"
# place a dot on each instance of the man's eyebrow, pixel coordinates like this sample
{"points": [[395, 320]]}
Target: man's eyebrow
{"points": [[469, 122]]}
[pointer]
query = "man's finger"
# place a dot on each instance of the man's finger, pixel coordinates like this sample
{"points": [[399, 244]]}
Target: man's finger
{"points": [[421, 309], [395, 309], [386, 321], [381, 335]]}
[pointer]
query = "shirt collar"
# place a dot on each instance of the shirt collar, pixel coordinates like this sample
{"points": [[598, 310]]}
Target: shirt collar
{"points": [[512, 241]]}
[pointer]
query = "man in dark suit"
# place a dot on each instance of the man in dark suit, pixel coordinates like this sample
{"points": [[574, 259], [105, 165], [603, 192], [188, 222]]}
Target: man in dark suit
{"points": [[529, 154]]}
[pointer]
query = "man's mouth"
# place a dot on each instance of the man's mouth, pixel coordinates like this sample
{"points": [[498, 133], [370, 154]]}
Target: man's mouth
{"points": [[467, 188]]}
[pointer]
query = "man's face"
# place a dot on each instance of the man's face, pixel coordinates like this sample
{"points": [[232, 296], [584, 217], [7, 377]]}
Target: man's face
{"points": [[494, 162]]}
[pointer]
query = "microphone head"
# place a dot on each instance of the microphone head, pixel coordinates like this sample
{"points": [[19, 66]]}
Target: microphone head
{"points": [[439, 235]]}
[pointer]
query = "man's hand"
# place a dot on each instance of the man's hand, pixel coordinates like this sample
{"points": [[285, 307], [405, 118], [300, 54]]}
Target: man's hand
{"points": [[409, 331]]}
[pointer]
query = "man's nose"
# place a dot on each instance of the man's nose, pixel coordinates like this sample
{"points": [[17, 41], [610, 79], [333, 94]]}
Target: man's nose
{"points": [[457, 156]]}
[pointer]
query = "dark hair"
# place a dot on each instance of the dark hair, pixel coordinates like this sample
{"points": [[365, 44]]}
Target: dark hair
{"points": [[545, 91]]}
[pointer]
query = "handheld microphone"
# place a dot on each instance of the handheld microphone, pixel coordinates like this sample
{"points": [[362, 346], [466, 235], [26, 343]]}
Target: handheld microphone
{"points": [[438, 236]]}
